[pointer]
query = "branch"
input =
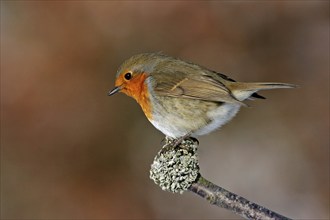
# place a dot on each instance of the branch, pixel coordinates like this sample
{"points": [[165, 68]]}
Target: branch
{"points": [[225, 199], [176, 169]]}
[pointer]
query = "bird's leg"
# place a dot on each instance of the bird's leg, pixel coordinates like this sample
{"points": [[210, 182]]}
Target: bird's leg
{"points": [[178, 143], [172, 143], [164, 140], [168, 144], [180, 139]]}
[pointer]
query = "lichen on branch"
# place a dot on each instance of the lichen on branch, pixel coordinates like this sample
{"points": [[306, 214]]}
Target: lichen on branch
{"points": [[175, 169]]}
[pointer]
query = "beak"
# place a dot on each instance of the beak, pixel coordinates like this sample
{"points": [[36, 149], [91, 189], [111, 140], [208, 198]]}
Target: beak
{"points": [[114, 91]]}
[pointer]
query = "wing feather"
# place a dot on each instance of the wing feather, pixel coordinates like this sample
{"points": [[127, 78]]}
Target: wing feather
{"points": [[194, 86]]}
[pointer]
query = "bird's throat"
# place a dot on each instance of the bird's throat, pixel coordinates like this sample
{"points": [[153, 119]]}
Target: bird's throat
{"points": [[138, 89]]}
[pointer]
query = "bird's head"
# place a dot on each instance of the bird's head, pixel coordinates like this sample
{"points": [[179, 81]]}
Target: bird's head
{"points": [[131, 76]]}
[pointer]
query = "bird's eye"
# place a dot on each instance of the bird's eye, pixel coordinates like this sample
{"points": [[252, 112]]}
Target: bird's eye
{"points": [[128, 76]]}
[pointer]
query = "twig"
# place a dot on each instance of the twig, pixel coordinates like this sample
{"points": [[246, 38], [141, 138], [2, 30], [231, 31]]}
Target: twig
{"points": [[225, 199], [176, 169]]}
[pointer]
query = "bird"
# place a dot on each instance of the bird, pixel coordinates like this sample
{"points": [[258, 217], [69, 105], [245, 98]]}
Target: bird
{"points": [[183, 99]]}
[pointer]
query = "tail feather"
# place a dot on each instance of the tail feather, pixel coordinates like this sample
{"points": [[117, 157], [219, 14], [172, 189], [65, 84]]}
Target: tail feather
{"points": [[243, 91], [256, 95]]}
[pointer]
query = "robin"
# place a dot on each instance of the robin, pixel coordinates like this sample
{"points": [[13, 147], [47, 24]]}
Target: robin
{"points": [[184, 99]]}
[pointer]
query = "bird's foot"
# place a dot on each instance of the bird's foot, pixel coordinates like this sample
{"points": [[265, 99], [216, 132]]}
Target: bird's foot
{"points": [[176, 142]]}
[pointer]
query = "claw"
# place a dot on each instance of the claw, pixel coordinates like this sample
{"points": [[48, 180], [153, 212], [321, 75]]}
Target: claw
{"points": [[180, 139]]}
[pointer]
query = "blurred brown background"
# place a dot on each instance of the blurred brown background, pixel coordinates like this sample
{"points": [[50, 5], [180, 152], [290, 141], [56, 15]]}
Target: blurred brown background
{"points": [[68, 151]]}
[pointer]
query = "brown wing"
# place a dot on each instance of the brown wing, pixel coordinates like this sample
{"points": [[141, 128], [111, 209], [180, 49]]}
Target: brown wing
{"points": [[193, 86]]}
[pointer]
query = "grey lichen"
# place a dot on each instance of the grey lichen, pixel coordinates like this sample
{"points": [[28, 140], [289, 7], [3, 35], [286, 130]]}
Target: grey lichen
{"points": [[175, 168]]}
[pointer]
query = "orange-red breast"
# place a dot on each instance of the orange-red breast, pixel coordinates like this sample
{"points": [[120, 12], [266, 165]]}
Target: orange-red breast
{"points": [[181, 98]]}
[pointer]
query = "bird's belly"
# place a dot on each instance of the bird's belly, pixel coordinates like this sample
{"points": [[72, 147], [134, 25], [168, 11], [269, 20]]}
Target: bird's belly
{"points": [[219, 117], [176, 117]]}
